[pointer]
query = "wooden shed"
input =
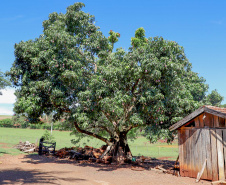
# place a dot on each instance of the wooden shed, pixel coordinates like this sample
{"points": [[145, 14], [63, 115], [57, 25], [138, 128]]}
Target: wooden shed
{"points": [[202, 143]]}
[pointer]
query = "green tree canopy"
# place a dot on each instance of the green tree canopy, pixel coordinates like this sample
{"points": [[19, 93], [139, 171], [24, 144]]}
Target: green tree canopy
{"points": [[214, 98], [3, 81], [71, 70]]}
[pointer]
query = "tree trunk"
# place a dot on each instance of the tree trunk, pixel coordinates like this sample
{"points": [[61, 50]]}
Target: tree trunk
{"points": [[120, 150]]}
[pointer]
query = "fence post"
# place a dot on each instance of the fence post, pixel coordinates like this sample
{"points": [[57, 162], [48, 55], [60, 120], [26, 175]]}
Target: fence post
{"points": [[40, 146]]}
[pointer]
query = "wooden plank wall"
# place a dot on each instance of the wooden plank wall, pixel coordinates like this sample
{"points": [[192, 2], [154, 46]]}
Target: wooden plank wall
{"points": [[214, 160], [209, 120], [220, 153], [197, 145]]}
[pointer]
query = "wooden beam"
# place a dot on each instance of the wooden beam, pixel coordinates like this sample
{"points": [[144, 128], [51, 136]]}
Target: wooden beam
{"points": [[187, 118]]}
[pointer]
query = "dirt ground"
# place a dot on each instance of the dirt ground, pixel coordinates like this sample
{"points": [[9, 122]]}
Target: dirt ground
{"points": [[34, 169]]}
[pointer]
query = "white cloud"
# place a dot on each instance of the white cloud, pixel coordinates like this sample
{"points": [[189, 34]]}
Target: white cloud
{"points": [[6, 111], [8, 96]]}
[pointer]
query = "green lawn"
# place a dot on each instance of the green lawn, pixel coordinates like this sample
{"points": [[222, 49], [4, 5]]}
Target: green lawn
{"points": [[140, 146]]}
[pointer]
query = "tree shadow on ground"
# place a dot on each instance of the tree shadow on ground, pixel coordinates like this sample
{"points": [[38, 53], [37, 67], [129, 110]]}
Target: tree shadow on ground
{"points": [[146, 165], [3, 153], [16, 175], [37, 159]]}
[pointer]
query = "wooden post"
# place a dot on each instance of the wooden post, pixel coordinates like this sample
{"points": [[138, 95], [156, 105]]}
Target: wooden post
{"points": [[220, 154], [214, 155], [196, 153], [201, 121], [181, 134], [224, 144], [197, 122], [192, 151], [40, 146], [216, 121], [203, 152], [208, 155]]}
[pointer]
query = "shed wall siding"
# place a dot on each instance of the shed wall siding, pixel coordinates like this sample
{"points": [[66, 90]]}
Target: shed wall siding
{"points": [[207, 120], [198, 144]]}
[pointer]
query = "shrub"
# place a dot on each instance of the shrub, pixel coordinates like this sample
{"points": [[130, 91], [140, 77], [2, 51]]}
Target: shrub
{"points": [[48, 137], [6, 123], [20, 120]]}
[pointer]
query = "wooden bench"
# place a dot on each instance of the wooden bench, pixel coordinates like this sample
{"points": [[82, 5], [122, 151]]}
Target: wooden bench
{"points": [[46, 147]]}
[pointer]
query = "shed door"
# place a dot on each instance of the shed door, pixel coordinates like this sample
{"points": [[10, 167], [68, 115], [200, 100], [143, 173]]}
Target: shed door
{"points": [[198, 145]]}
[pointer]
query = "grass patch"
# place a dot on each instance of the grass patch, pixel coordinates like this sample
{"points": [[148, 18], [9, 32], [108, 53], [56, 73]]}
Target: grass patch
{"points": [[12, 136], [140, 146]]}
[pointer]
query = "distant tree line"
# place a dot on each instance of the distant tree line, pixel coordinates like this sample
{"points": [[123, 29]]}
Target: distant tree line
{"points": [[22, 122]]}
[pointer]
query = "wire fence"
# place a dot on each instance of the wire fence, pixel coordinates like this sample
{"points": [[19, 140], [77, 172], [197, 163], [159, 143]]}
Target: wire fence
{"points": [[138, 148], [164, 152], [61, 142], [16, 139]]}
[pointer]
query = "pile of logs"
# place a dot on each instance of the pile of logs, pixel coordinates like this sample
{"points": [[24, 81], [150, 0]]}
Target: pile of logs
{"points": [[100, 155], [26, 147], [86, 153]]}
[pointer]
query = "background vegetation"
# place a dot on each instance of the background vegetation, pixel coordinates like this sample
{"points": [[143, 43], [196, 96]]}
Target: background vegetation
{"points": [[9, 137]]}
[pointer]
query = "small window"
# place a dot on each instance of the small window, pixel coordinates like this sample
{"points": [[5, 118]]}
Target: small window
{"points": [[192, 124]]}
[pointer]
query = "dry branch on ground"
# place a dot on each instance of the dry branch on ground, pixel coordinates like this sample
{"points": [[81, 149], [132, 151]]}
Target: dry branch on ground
{"points": [[26, 147]]}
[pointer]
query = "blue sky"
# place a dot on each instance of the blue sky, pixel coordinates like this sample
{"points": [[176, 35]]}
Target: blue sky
{"points": [[198, 26]]}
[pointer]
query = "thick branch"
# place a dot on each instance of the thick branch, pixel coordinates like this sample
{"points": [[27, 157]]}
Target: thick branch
{"points": [[95, 67], [127, 114], [130, 109], [131, 127], [109, 119], [134, 86], [91, 134], [106, 129]]}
